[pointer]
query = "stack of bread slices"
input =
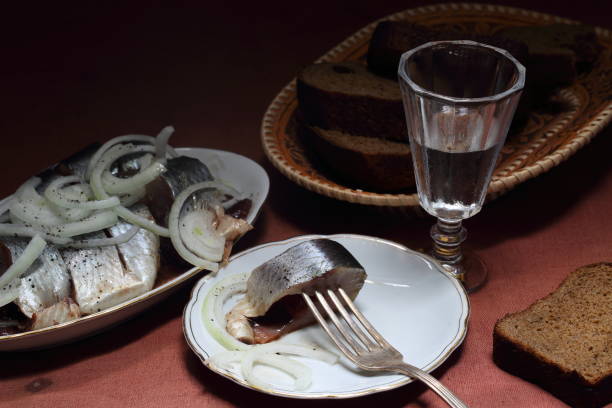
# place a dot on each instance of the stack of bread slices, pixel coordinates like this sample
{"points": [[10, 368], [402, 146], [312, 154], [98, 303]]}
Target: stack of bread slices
{"points": [[351, 114]]}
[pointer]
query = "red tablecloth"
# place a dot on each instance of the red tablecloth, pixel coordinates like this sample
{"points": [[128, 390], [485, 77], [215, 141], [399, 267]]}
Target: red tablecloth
{"points": [[75, 74]]}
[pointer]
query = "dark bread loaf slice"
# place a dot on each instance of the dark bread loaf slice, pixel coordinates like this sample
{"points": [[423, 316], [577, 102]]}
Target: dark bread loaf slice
{"points": [[563, 342], [557, 52], [392, 38], [347, 97], [364, 162]]}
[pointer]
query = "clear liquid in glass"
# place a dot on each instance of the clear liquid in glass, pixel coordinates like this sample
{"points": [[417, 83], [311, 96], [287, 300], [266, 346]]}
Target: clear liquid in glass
{"points": [[453, 184]]}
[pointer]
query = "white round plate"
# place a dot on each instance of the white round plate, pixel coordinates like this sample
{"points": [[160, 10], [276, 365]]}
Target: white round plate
{"points": [[408, 297], [237, 171]]}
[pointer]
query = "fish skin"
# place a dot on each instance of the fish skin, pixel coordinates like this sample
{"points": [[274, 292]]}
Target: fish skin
{"points": [[140, 255], [75, 165], [46, 287], [181, 172], [314, 265], [45, 283], [304, 268], [104, 277]]}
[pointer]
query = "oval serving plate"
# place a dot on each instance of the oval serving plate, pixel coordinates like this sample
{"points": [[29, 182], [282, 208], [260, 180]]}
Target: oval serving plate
{"points": [[544, 143], [408, 297], [239, 172]]}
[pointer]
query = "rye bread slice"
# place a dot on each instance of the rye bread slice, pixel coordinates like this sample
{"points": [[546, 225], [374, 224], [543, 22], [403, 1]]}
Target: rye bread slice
{"points": [[392, 38], [345, 96], [362, 162], [563, 342], [557, 52]]}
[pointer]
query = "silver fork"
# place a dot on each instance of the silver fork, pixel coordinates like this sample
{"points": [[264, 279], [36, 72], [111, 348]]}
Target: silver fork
{"points": [[368, 349]]}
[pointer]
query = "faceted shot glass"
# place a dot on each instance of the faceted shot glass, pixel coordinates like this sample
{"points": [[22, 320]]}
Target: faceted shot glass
{"points": [[459, 100]]}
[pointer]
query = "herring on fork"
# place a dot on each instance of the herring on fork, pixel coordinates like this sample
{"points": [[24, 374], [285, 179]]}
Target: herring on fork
{"points": [[367, 348]]}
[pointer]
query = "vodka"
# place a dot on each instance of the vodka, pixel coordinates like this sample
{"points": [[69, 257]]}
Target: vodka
{"points": [[453, 184]]}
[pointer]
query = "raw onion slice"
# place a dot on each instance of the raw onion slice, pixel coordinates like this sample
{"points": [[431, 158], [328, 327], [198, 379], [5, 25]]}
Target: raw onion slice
{"points": [[19, 230], [4, 208], [95, 222], [73, 198], [31, 208], [119, 140], [197, 233], [301, 373], [75, 214], [141, 221], [117, 185], [214, 321], [100, 242], [225, 359], [212, 309], [175, 234], [271, 354], [35, 212], [97, 187], [188, 235], [161, 142], [32, 251]]}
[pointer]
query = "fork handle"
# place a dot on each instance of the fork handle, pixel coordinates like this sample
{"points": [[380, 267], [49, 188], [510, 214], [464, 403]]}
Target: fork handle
{"points": [[429, 380]]}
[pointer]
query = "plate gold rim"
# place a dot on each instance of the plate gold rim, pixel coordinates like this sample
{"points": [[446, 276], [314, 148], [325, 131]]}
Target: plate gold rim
{"points": [[190, 337]]}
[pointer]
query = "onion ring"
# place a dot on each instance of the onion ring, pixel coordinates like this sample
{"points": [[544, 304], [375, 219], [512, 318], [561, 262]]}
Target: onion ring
{"points": [[98, 189], [32, 251], [122, 139], [53, 194], [173, 226]]}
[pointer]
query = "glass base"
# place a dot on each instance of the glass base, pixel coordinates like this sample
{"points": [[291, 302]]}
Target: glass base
{"points": [[472, 271]]}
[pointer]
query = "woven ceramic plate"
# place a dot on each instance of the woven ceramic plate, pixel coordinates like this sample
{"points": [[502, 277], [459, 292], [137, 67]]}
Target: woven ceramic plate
{"points": [[544, 142]]}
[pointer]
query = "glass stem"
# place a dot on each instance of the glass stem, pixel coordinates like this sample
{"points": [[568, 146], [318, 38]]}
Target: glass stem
{"points": [[448, 236]]}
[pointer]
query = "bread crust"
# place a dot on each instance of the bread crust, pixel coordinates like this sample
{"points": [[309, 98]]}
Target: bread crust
{"points": [[514, 355], [351, 112], [385, 169]]}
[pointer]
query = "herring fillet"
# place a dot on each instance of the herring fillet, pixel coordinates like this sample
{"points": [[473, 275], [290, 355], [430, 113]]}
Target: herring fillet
{"points": [[106, 276], [140, 255], [97, 276], [181, 172], [45, 291], [45, 283], [276, 285], [312, 265], [61, 312]]}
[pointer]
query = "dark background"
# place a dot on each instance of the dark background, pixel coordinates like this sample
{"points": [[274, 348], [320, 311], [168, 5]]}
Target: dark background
{"points": [[74, 73], [82, 71]]}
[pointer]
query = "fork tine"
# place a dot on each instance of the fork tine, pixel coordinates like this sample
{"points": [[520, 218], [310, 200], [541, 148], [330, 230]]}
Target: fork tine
{"points": [[334, 318], [345, 350], [356, 329], [371, 330]]}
